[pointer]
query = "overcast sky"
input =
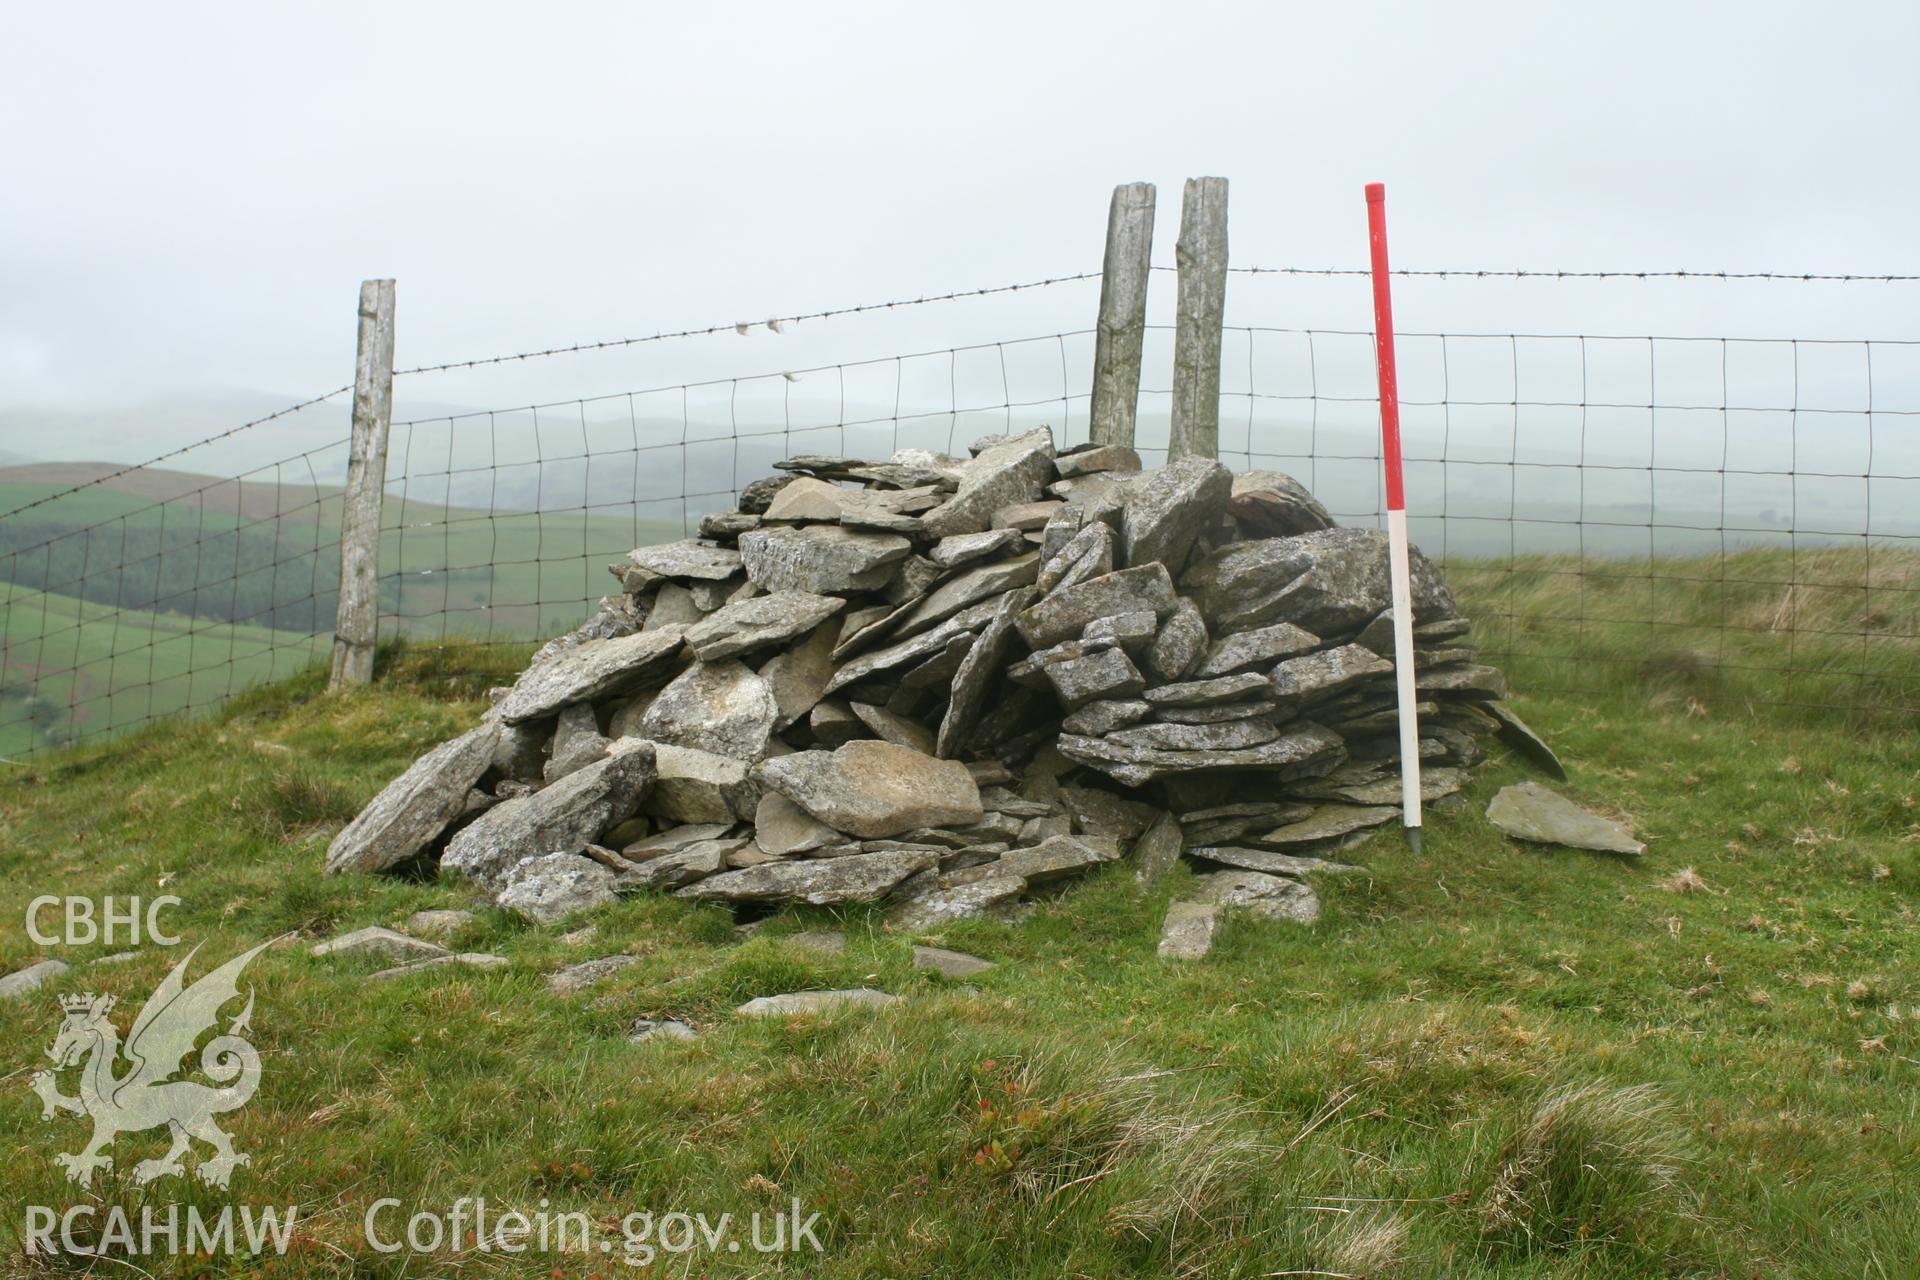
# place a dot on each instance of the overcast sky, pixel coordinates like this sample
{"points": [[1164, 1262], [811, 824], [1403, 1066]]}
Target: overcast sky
{"points": [[195, 191]]}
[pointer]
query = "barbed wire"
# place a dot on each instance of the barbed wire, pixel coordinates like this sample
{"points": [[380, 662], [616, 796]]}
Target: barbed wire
{"points": [[745, 326], [774, 323], [174, 453]]}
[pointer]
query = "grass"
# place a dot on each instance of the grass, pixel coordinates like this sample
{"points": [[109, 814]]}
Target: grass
{"points": [[71, 669], [1819, 631], [1492, 1060]]}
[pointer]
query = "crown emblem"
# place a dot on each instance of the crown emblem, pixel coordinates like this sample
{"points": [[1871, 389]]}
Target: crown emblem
{"points": [[87, 1003]]}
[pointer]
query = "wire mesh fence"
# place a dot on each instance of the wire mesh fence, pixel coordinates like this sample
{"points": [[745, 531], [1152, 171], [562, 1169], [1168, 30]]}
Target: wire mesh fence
{"points": [[1724, 523]]}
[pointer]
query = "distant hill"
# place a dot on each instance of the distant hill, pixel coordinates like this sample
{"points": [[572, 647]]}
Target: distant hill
{"points": [[249, 499]]}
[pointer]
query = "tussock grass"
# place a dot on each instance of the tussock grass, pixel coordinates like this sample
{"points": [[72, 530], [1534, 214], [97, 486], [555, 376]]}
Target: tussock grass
{"points": [[1593, 1165], [294, 801], [1447, 1077], [1791, 634]]}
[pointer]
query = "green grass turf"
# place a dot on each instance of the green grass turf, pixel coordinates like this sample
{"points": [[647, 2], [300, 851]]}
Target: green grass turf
{"points": [[1383, 1094]]}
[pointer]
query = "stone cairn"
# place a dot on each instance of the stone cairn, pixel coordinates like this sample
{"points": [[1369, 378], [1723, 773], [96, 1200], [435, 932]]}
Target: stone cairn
{"points": [[952, 683]]}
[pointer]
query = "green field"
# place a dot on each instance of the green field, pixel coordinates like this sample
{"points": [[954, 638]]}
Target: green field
{"points": [[273, 559], [1492, 1060], [77, 670], [158, 607]]}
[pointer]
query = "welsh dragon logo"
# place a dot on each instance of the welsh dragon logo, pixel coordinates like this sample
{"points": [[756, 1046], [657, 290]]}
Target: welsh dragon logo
{"points": [[144, 1096]]}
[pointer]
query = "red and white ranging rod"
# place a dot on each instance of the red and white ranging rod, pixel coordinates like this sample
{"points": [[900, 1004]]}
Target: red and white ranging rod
{"points": [[1396, 515]]}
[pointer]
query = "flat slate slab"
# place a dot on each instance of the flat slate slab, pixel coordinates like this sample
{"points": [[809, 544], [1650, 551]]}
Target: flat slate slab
{"points": [[821, 882], [1267, 897], [564, 817], [1270, 862], [1530, 811], [820, 558], [689, 558], [1302, 746], [950, 964], [1263, 646], [1515, 733], [464, 960], [962, 902], [960, 548], [1051, 859], [1330, 822], [1187, 933], [747, 625], [376, 941], [793, 1002], [590, 671], [416, 806], [875, 789], [578, 977], [25, 981]]}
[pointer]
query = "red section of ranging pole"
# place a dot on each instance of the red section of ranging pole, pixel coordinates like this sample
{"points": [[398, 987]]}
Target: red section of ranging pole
{"points": [[1383, 344]]}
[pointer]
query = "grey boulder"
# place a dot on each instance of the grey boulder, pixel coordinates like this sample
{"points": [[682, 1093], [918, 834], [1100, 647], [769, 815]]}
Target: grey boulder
{"points": [[875, 789], [415, 807], [1011, 471], [1532, 812], [823, 559], [554, 886], [1066, 613], [1272, 504], [747, 625], [864, 877], [591, 671], [721, 707], [1167, 511], [1329, 582], [30, 979], [566, 817]]}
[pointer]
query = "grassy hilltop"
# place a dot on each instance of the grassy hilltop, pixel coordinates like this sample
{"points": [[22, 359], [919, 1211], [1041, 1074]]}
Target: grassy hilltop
{"points": [[1492, 1060]]}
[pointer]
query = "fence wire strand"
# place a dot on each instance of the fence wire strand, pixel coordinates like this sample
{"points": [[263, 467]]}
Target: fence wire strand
{"points": [[1718, 524]]}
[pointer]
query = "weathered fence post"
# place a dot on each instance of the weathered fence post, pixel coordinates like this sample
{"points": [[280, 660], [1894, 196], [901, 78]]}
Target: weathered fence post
{"points": [[1122, 328], [1202, 256], [357, 619]]}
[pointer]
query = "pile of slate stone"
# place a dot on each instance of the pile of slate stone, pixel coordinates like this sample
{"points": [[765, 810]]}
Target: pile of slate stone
{"points": [[948, 683]]}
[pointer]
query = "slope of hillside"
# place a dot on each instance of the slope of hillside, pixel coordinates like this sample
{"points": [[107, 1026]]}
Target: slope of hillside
{"points": [[1495, 1060], [73, 671]]}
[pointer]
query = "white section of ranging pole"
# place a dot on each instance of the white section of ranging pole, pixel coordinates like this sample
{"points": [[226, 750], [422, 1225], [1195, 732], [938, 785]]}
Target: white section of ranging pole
{"points": [[1402, 576]]}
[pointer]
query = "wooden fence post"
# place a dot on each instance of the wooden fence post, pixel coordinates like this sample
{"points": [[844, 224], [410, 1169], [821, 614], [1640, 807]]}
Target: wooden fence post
{"points": [[358, 617], [1202, 256], [1122, 328]]}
